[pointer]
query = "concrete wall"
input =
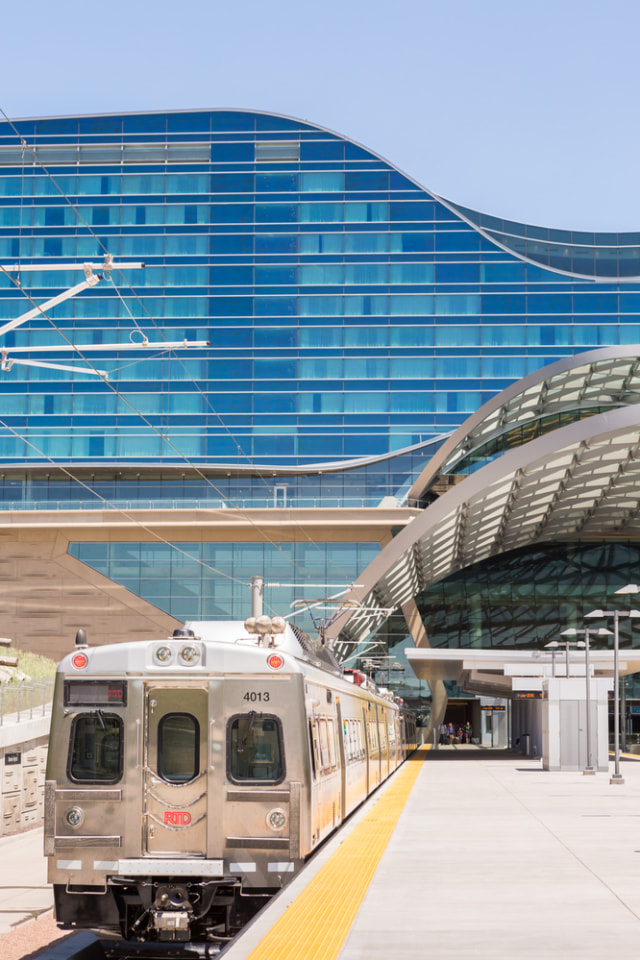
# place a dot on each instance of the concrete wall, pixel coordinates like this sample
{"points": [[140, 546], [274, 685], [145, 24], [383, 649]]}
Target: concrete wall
{"points": [[23, 760]]}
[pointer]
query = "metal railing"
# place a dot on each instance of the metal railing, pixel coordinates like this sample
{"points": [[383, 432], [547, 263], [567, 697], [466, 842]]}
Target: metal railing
{"points": [[244, 503], [24, 699]]}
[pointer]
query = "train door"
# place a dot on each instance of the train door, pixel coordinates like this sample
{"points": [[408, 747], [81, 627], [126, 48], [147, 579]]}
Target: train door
{"points": [[175, 771]]}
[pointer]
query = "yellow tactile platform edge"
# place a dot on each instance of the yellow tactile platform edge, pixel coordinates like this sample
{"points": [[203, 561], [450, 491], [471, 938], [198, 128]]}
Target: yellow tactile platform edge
{"points": [[317, 923]]}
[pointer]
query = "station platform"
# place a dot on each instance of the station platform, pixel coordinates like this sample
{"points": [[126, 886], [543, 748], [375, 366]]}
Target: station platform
{"points": [[464, 851], [25, 892], [489, 856]]}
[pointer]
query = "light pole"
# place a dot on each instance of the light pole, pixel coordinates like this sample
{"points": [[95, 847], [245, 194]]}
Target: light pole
{"points": [[602, 632], [616, 614], [553, 646]]}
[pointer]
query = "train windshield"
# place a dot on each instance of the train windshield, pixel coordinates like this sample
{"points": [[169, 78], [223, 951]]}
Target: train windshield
{"points": [[255, 748], [96, 748]]}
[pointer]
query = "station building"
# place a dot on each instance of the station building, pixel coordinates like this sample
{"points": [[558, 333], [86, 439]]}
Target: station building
{"points": [[306, 358]]}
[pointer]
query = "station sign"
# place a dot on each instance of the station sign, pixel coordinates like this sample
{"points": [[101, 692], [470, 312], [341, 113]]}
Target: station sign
{"points": [[527, 694]]}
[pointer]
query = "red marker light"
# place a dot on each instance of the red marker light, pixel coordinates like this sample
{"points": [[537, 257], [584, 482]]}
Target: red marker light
{"points": [[275, 661], [79, 661]]}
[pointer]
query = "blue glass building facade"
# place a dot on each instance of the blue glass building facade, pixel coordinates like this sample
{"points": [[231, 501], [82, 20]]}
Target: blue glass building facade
{"points": [[353, 317]]}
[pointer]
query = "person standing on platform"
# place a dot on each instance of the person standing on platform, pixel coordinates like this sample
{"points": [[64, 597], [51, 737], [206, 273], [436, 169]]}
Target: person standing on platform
{"points": [[451, 732], [468, 731], [443, 733]]}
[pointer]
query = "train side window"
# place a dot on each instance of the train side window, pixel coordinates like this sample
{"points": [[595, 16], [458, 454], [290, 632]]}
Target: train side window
{"points": [[254, 748], [178, 747], [325, 762], [313, 735], [95, 749], [331, 737]]}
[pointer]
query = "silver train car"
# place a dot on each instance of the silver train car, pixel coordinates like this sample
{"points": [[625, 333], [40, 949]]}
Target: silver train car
{"points": [[188, 779]]}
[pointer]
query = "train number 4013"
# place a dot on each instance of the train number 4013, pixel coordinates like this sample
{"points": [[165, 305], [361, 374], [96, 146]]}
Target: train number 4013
{"points": [[255, 697]]}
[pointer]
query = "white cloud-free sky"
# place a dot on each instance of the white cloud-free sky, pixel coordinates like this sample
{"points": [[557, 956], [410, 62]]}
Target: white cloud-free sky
{"points": [[526, 110]]}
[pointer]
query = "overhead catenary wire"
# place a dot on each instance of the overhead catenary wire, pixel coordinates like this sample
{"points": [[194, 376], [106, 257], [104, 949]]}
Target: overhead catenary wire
{"points": [[163, 436], [120, 510]]}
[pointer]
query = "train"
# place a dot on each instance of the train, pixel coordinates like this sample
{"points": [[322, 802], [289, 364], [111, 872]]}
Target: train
{"points": [[190, 778]]}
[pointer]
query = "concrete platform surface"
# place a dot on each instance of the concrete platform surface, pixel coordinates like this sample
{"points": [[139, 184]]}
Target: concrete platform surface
{"points": [[25, 893], [494, 857]]}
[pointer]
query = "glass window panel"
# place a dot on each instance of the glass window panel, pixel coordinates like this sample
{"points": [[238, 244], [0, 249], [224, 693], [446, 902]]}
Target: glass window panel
{"points": [[320, 337], [458, 304], [509, 368], [412, 273], [320, 369], [366, 273], [318, 273], [368, 212], [187, 183], [411, 402], [321, 212], [322, 182], [321, 243], [276, 212], [320, 306], [368, 305], [366, 242], [366, 402], [96, 749], [452, 367], [269, 243], [410, 368], [468, 336], [276, 182], [366, 368], [418, 304], [268, 275], [178, 747], [255, 749], [549, 335], [510, 335], [366, 336], [265, 151], [412, 336], [143, 183]]}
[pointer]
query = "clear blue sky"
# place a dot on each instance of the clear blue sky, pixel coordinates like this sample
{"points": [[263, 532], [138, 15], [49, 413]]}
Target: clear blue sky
{"points": [[527, 110]]}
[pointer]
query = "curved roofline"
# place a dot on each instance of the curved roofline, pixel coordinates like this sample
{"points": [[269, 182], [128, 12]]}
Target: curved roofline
{"points": [[449, 204], [509, 393], [397, 562], [484, 232]]}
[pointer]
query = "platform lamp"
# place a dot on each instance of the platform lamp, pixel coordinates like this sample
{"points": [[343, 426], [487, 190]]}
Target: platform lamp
{"points": [[616, 614], [586, 632]]}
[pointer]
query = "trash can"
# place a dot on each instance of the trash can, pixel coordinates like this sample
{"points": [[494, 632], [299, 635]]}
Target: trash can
{"points": [[525, 744]]}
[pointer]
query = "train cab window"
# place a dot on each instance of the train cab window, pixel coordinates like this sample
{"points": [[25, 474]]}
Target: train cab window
{"points": [[254, 748], [178, 747], [95, 751]]}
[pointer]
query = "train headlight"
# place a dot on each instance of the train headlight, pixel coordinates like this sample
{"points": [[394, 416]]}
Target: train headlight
{"points": [[276, 819], [190, 655], [74, 816], [163, 655], [80, 660]]}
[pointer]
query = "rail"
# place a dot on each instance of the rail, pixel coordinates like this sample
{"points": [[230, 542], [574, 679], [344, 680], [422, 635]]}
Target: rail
{"points": [[24, 699]]}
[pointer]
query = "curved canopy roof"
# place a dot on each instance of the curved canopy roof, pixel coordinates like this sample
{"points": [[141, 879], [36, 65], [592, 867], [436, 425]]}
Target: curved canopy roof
{"points": [[580, 481], [570, 389]]}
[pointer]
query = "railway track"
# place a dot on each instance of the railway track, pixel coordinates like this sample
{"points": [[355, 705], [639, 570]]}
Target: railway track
{"points": [[85, 946]]}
